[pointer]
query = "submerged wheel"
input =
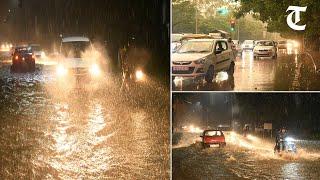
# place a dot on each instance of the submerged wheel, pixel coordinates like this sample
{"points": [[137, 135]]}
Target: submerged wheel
{"points": [[209, 75], [231, 69]]}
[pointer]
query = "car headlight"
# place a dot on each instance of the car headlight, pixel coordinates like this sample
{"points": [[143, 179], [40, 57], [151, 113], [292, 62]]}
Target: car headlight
{"points": [[61, 70], [200, 61], [95, 70], [43, 54], [139, 75], [289, 139]]}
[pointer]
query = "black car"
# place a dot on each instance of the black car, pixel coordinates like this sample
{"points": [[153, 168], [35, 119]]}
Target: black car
{"points": [[23, 60]]}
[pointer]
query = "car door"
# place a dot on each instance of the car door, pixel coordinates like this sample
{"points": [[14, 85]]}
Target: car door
{"points": [[218, 51], [228, 55], [223, 57]]}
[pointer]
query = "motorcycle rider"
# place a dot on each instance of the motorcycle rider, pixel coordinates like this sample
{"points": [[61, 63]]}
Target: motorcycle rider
{"points": [[280, 144], [245, 130], [127, 66]]}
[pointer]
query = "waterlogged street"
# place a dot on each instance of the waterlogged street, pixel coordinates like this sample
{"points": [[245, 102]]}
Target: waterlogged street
{"points": [[51, 132], [243, 158], [289, 72]]}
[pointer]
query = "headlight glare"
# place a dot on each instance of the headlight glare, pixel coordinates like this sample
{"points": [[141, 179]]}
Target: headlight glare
{"points": [[95, 70], [61, 70]]}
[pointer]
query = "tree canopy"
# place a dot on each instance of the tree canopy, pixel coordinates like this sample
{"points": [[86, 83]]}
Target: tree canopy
{"points": [[273, 12]]}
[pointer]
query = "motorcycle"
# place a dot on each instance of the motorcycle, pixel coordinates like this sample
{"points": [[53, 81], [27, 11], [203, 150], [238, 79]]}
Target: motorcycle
{"points": [[286, 145], [132, 77]]}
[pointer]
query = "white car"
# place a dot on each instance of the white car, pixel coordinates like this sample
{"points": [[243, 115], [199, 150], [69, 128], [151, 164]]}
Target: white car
{"points": [[265, 48], [77, 58], [175, 41], [37, 51], [248, 45], [203, 57]]}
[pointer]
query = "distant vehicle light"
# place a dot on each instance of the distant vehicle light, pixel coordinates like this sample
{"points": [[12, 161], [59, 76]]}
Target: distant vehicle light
{"points": [[139, 75], [61, 70], [289, 139], [17, 57], [43, 54], [95, 70]]}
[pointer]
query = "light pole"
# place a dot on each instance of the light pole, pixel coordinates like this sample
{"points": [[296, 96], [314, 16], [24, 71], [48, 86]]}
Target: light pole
{"points": [[196, 17]]}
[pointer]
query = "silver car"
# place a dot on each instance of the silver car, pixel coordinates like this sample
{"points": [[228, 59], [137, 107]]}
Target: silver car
{"points": [[203, 57]]}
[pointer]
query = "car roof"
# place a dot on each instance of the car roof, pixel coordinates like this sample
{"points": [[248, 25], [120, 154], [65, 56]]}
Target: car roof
{"points": [[34, 44], [212, 130], [203, 40], [196, 36], [264, 41], [75, 39]]}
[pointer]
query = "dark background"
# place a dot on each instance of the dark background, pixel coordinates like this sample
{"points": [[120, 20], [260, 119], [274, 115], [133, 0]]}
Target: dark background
{"points": [[299, 113]]}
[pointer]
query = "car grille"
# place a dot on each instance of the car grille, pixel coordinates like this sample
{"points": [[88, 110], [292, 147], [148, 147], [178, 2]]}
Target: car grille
{"points": [[190, 71], [181, 62]]}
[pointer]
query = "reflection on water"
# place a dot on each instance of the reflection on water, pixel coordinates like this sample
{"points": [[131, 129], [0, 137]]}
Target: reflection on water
{"points": [[46, 133], [291, 170], [244, 158]]}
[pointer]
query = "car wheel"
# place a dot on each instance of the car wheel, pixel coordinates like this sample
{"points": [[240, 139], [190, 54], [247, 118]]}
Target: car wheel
{"points": [[204, 145], [231, 69], [209, 75], [32, 66]]}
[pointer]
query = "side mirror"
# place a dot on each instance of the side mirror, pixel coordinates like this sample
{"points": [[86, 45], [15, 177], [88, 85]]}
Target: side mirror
{"points": [[218, 51]]}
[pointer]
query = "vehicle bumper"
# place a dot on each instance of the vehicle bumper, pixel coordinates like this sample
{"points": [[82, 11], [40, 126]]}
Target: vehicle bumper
{"points": [[263, 54]]}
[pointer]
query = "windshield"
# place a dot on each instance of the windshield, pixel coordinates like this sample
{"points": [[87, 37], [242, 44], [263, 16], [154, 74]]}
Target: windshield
{"points": [[264, 43], [248, 42], [176, 37], [22, 50], [74, 49], [196, 47]]}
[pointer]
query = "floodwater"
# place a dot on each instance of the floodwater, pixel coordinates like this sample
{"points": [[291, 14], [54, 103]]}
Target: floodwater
{"points": [[53, 132], [244, 158], [289, 72]]}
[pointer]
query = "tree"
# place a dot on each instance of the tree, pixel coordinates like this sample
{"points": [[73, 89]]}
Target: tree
{"points": [[274, 14]]}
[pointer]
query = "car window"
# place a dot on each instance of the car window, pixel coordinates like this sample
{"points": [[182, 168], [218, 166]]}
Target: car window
{"points": [[224, 45], [221, 46], [74, 49], [213, 133], [264, 43], [248, 42]]}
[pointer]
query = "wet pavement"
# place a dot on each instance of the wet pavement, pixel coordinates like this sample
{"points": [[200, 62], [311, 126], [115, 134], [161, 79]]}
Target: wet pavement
{"points": [[289, 72], [51, 132], [246, 160]]}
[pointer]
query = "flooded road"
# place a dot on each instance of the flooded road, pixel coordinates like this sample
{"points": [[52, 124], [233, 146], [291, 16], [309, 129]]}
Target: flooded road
{"points": [[287, 72], [244, 159], [52, 133]]}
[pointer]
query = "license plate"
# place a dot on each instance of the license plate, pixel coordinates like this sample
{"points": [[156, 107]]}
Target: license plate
{"points": [[214, 145], [180, 68]]}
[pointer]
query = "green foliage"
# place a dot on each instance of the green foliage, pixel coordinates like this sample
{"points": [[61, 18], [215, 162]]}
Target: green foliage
{"points": [[274, 13], [183, 16], [184, 19]]}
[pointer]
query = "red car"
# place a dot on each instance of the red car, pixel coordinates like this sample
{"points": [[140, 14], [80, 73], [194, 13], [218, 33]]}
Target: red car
{"points": [[213, 138], [22, 59]]}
